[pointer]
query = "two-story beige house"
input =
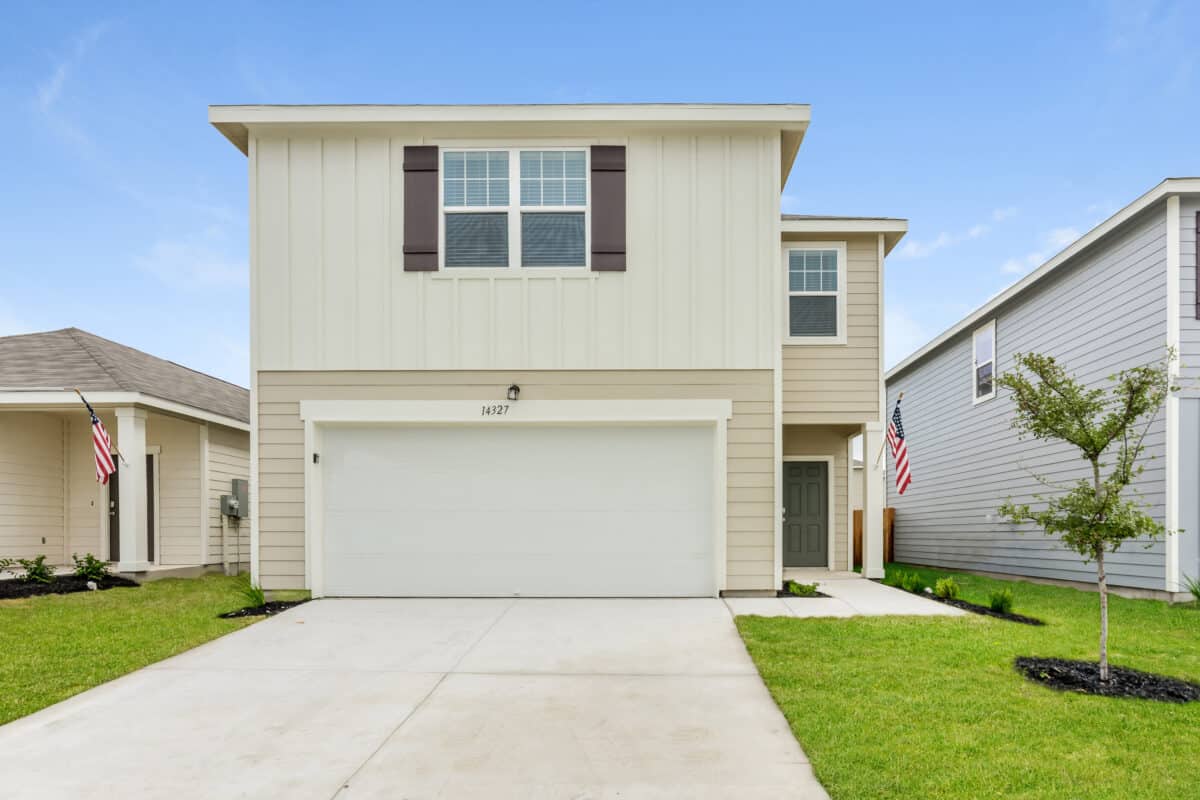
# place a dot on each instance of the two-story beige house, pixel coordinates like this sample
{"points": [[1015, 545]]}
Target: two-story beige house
{"points": [[553, 350]]}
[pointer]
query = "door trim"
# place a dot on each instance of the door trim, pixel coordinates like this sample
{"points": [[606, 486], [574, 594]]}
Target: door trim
{"points": [[319, 414], [831, 503]]}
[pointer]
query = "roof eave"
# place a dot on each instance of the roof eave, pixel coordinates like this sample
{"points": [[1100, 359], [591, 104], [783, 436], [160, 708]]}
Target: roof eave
{"points": [[893, 230]]}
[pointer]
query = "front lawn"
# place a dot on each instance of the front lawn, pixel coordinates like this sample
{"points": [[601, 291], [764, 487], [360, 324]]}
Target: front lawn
{"points": [[931, 707], [54, 646]]}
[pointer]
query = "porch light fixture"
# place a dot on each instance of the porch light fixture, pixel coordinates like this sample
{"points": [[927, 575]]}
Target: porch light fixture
{"points": [[514, 393]]}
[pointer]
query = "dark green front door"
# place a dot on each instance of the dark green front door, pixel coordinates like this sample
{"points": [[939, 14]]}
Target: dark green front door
{"points": [[806, 514]]}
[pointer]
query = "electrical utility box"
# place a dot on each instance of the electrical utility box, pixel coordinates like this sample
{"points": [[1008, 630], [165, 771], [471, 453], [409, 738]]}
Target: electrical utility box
{"points": [[237, 504]]}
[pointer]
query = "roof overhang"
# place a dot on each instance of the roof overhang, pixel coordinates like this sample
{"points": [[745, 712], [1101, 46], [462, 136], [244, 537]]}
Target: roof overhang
{"points": [[64, 399], [798, 228], [791, 119], [1169, 187]]}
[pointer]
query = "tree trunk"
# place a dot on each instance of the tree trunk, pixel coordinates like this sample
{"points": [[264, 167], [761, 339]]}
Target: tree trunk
{"points": [[1102, 579]]}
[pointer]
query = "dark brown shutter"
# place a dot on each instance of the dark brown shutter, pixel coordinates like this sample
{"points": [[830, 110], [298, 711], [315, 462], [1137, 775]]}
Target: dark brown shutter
{"points": [[608, 208], [420, 209]]}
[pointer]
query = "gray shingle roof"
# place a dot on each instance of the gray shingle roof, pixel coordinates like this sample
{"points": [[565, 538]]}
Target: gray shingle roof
{"points": [[71, 358]]}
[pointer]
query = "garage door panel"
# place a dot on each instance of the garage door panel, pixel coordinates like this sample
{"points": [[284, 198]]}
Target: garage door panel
{"points": [[505, 510]]}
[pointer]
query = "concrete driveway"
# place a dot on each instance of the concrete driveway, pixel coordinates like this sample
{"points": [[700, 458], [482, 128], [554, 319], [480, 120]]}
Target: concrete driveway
{"points": [[429, 699]]}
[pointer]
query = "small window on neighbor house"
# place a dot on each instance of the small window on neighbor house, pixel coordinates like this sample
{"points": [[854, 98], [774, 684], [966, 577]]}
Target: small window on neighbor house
{"points": [[983, 362], [816, 293]]}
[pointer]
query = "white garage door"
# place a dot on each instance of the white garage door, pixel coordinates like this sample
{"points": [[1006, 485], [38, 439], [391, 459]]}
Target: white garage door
{"points": [[517, 510]]}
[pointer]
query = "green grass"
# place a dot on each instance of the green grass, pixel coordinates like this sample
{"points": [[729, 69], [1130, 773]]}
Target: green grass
{"points": [[910, 707], [55, 646]]}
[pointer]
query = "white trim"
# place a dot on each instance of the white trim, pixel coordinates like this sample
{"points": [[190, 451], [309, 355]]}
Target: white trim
{"points": [[841, 294], [977, 398], [880, 332], [316, 414], [891, 231], [830, 502], [514, 209], [849, 504], [204, 467], [155, 452], [1174, 296], [67, 397], [252, 159], [1169, 187]]}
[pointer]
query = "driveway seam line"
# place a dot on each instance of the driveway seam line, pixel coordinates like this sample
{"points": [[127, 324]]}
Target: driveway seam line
{"points": [[345, 784]]}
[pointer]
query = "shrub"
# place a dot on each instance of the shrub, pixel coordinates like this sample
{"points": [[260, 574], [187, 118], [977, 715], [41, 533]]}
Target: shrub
{"points": [[1193, 585], [946, 588], [90, 568], [802, 589], [36, 570], [1001, 600], [6, 564], [252, 593], [911, 582]]}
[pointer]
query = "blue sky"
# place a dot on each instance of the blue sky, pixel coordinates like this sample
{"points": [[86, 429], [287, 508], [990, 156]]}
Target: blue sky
{"points": [[1000, 134]]}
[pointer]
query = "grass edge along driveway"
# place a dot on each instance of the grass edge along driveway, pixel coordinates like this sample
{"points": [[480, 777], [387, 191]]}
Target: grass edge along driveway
{"points": [[932, 707], [56, 646]]}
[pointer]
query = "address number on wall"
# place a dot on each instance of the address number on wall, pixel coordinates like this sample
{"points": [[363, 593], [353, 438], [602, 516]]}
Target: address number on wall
{"points": [[496, 410]]}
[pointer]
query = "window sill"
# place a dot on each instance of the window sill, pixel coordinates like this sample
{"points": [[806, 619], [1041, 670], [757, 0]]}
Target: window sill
{"points": [[511, 273], [814, 340], [978, 400]]}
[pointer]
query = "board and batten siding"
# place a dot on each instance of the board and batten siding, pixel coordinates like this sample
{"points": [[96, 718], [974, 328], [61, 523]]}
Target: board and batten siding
{"points": [[839, 383], [328, 289], [750, 448], [1104, 312], [228, 458], [32, 488]]}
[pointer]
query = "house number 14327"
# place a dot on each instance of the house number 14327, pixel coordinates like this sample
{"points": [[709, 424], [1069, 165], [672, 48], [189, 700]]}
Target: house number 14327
{"points": [[497, 410]]}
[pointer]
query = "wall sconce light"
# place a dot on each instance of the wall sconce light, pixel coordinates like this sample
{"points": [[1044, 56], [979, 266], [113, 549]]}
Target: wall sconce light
{"points": [[514, 393]]}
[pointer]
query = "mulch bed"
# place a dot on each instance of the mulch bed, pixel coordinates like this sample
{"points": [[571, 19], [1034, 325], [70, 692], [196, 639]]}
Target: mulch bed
{"points": [[265, 610], [62, 584], [984, 610], [1084, 677]]}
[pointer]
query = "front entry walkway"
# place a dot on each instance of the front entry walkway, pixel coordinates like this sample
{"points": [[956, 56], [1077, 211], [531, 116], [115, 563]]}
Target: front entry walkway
{"points": [[352, 699], [850, 595]]}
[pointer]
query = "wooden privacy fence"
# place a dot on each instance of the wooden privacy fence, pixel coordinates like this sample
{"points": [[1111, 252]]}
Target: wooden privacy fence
{"points": [[889, 522]]}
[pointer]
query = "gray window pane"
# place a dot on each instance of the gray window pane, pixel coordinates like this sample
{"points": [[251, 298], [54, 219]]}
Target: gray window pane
{"points": [[552, 164], [552, 240], [454, 165], [531, 193], [552, 193], [477, 194], [573, 164], [498, 192], [576, 193], [531, 164], [983, 380], [477, 240], [812, 316], [455, 193], [498, 165], [476, 164]]}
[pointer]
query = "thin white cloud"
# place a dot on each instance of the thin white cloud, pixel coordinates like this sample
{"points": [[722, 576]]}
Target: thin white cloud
{"points": [[50, 90], [1052, 242], [923, 248], [902, 335]]}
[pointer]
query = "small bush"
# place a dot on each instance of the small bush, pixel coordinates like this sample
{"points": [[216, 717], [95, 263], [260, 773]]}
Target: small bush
{"points": [[946, 588], [1001, 600], [802, 589], [90, 568], [36, 570], [1193, 586], [252, 593], [6, 564], [911, 582]]}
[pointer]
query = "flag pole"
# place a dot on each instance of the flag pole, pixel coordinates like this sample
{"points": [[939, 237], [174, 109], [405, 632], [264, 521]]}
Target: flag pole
{"points": [[884, 442], [120, 455]]}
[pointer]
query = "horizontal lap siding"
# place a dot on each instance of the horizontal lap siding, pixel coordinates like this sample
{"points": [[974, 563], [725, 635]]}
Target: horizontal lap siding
{"points": [[840, 383], [1189, 325], [1189, 405], [228, 458], [31, 486], [86, 515], [1105, 313], [750, 520], [178, 516]]}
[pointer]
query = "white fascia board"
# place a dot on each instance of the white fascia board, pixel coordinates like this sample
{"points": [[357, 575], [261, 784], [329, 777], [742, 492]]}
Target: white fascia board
{"points": [[518, 411], [1169, 187], [59, 399], [892, 230]]}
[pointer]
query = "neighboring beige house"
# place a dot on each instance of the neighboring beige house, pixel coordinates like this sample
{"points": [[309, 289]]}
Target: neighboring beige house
{"points": [[552, 350], [183, 436]]}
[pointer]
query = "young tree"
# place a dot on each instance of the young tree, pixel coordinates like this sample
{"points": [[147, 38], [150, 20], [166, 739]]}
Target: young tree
{"points": [[1091, 516]]}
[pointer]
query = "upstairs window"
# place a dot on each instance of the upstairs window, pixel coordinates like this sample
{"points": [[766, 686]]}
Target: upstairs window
{"points": [[983, 363], [512, 207], [816, 293]]}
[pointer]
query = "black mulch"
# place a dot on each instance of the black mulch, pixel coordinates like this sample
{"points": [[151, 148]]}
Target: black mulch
{"points": [[265, 610], [1084, 677], [985, 611], [62, 584]]}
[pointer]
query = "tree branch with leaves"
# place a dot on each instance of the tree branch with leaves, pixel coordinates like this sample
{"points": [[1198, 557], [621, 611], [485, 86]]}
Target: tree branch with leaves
{"points": [[1091, 516]]}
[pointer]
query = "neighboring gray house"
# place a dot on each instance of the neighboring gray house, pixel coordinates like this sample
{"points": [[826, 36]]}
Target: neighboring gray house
{"points": [[1115, 298]]}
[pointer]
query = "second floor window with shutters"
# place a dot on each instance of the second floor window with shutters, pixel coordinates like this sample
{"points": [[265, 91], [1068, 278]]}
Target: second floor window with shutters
{"points": [[515, 207], [816, 293]]}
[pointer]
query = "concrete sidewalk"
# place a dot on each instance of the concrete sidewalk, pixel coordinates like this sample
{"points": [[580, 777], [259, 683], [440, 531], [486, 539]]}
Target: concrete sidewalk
{"points": [[849, 596], [493, 699]]}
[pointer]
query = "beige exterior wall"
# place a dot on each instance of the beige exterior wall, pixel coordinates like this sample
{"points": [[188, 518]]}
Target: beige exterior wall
{"points": [[840, 383], [811, 440], [228, 458], [32, 490], [328, 289], [751, 469]]}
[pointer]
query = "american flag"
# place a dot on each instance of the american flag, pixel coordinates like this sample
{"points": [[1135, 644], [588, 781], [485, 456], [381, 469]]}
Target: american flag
{"points": [[102, 446], [895, 437]]}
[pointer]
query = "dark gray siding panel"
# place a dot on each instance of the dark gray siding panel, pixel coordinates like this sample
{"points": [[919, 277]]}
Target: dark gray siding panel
{"points": [[1106, 312]]}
